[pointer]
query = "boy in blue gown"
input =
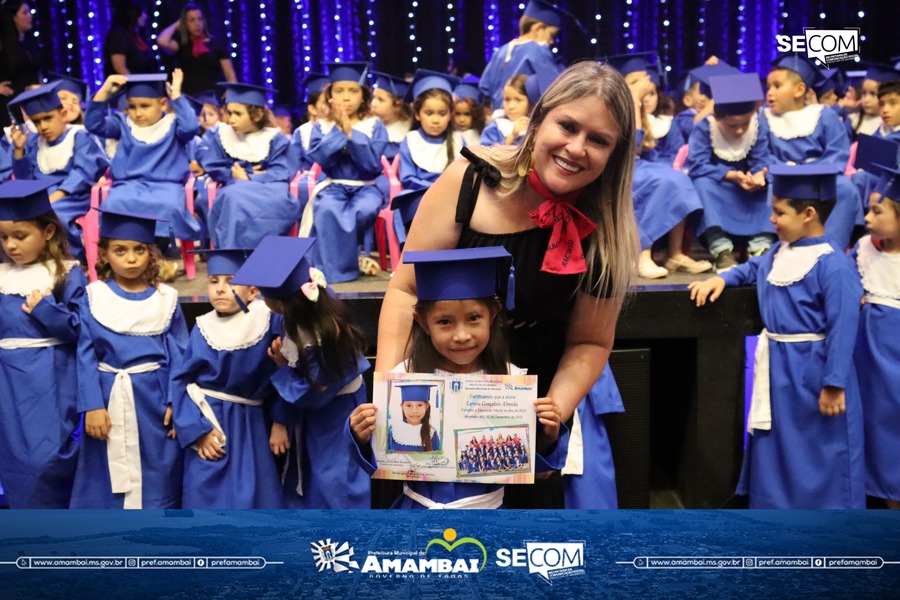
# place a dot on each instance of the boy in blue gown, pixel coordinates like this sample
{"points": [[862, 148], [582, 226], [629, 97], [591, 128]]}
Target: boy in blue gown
{"points": [[806, 444]]}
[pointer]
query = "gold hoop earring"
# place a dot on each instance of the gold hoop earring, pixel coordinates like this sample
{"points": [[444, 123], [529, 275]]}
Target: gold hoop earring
{"points": [[526, 167]]}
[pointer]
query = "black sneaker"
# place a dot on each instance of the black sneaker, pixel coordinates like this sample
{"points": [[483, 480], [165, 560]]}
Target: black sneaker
{"points": [[725, 260]]}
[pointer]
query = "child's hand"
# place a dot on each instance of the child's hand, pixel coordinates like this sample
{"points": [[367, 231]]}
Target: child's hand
{"points": [[5, 90], [760, 178], [275, 354], [259, 169], [19, 135], [548, 417], [279, 442], [832, 401], [238, 172], [112, 85], [167, 421], [711, 288], [209, 445], [97, 424], [712, 60], [57, 195], [362, 422], [35, 297], [520, 125], [196, 169], [640, 84], [177, 80]]}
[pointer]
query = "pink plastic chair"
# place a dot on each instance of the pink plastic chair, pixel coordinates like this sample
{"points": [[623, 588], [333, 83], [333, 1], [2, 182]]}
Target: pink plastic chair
{"points": [[851, 169], [680, 158]]}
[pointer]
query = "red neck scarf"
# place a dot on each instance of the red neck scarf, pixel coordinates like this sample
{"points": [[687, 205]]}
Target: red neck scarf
{"points": [[199, 46], [138, 41], [564, 255]]}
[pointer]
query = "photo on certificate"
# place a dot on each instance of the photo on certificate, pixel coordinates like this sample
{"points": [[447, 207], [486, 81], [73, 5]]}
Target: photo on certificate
{"points": [[455, 427]]}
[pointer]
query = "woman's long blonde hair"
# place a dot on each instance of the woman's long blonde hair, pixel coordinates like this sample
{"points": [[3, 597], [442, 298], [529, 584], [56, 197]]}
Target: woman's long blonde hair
{"points": [[606, 201]]}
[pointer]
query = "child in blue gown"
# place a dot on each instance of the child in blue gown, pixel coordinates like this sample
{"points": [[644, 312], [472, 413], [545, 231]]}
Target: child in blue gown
{"points": [[254, 163], [132, 335], [68, 154], [458, 329], [320, 360], [389, 105], [806, 444], [40, 288], [151, 165], [877, 258], [219, 396]]}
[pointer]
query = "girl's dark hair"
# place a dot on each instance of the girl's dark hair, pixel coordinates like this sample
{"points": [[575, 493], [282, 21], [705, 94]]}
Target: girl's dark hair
{"points": [[127, 14], [365, 109], [9, 34], [517, 82], [261, 116], [425, 428], [423, 358], [56, 249], [151, 274], [477, 111], [448, 100], [326, 323]]}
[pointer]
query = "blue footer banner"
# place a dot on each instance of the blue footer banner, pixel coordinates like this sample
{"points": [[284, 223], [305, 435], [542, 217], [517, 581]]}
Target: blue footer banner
{"points": [[452, 554]]}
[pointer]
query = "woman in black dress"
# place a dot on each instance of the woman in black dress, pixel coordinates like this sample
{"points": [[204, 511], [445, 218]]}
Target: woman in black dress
{"points": [[20, 54], [127, 49], [204, 61]]}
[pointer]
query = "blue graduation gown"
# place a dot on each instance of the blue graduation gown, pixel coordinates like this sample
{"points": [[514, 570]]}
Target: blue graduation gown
{"points": [[683, 124], [499, 70], [396, 446], [6, 157], [668, 145], [37, 397], [331, 479], [877, 358], [149, 177], [80, 161], [300, 141], [423, 158], [726, 204], [246, 211], [246, 476], [821, 139], [807, 460], [343, 214], [864, 181], [161, 458], [663, 197]]}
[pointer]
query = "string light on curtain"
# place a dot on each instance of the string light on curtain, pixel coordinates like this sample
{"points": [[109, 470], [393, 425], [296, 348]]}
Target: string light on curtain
{"points": [[91, 53], [154, 29], [629, 14], [492, 29], [232, 45], [742, 59], [597, 18], [338, 34], [266, 38], [665, 35], [370, 15], [449, 29], [702, 20], [411, 15]]}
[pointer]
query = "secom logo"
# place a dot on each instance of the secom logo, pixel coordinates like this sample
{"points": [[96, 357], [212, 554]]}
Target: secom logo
{"points": [[827, 45], [548, 560]]}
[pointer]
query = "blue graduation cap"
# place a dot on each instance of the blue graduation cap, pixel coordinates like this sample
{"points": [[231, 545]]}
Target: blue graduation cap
{"points": [[281, 111], [809, 181], [224, 261], [348, 71], [735, 94], [69, 84], [831, 80], [888, 184], [881, 72], [278, 266], [468, 90], [632, 63], [406, 203], [537, 84], [416, 392], [546, 12], [146, 86], [40, 99], [425, 80], [209, 97], [133, 227], [872, 152], [461, 273], [800, 64], [315, 82], [245, 93], [25, 199], [397, 86], [703, 73], [196, 104]]}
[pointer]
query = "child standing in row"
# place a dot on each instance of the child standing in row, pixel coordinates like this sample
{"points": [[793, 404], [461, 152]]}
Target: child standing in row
{"points": [[220, 393], [427, 150], [253, 162], [40, 290], [66, 154], [132, 335], [806, 424], [877, 258], [319, 379], [468, 113], [509, 127], [458, 329]]}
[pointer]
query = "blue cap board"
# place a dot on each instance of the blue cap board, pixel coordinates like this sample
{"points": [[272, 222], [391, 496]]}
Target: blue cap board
{"points": [[196, 104], [25, 199], [831, 80], [146, 86], [632, 63], [315, 82], [244, 93], [537, 84], [881, 73], [224, 261], [459, 274], [800, 64], [548, 13], [425, 80], [702, 75], [281, 111], [809, 181], [278, 266], [406, 203], [348, 71], [40, 99], [872, 152], [415, 393], [209, 97], [133, 227], [735, 94], [468, 90], [69, 84], [888, 184], [396, 86]]}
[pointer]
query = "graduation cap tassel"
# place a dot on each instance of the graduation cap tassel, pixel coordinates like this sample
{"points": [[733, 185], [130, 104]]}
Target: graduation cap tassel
{"points": [[240, 302], [511, 289]]}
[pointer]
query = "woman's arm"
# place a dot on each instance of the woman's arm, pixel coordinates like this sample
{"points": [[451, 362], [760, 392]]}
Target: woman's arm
{"points": [[589, 341], [165, 41], [434, 228], [228, 70], [118, 64]]}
